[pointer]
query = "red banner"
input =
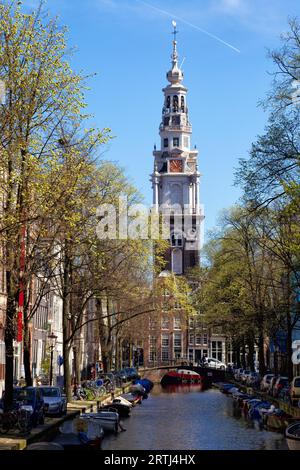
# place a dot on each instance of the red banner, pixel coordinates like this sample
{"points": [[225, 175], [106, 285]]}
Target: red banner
{"points": [[21, 293], [20, 327]]}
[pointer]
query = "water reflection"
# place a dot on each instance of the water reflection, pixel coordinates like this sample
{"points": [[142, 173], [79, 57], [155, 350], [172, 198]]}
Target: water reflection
{"points": [[187, 417], [180, 388]]}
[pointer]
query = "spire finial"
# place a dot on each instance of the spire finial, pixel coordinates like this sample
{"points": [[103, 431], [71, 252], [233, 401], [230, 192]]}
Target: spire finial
{"points": [[175, 32]]}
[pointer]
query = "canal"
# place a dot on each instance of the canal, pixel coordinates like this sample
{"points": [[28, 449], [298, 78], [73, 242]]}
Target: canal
{"points": [[184, 417]]}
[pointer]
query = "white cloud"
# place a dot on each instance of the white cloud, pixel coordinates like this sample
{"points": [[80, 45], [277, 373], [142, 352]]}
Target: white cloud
{"points": [[231, 3]]}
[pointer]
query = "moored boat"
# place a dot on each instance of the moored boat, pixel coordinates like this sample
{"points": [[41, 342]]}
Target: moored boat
{"points": [[181, 376], [109, 420], [80, 433], [138, 389], [146, 383], [133, 398], [116, 405], [292, 435]]}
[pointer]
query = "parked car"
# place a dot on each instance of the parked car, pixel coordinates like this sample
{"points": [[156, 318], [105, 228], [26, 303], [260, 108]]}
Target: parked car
{"points": [[295, 391], [265, 383], [214, 363], [280, 383], [32, 400], [55, 401]]}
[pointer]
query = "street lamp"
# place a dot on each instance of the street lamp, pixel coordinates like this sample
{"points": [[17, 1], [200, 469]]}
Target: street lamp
{"points": [[52, 341]]}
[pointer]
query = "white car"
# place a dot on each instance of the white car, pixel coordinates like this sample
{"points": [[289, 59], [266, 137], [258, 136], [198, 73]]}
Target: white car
{"points": [[55, 401], [214, 363]]}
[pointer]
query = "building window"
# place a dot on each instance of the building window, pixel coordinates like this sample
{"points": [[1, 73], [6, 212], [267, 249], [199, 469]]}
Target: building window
{"points": [[166, 142], [198, 339], [166, 121], [168, 102], [177, 305], [165, 323], [175, 104], [152, 323], [152, 349], [165, 354], [177, 323], [191, 323], [165, 340], [175, 141], [177, 345], [191, 338], [165, 347], [176, 240], [216, 350], [177, 340], [176, 120], [205, 339], [177, 261], [182, 104]]}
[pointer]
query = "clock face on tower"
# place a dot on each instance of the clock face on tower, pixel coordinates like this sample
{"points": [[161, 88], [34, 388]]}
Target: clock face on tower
{"points": [[176, 166]]}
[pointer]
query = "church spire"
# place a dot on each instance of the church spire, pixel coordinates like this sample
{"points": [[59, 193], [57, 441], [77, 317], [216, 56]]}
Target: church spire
{"points": [[174, 75], [174, 54]]}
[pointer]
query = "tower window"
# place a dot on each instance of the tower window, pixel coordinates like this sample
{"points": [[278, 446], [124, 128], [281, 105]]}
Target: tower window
{"points": [[166, 121], [168, 102], [176, 240], [166, 142], [176, 142], [176, 120], [182, 104], [175, 104]]}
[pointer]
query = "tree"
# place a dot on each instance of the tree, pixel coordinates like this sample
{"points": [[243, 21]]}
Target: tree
{"points": [[43, 95]]}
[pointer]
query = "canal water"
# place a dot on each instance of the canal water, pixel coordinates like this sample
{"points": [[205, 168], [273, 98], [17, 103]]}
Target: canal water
{"points": [[185, 417]]}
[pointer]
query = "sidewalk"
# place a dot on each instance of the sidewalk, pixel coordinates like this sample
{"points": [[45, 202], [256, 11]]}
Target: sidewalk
{"points": [[14, 441]]}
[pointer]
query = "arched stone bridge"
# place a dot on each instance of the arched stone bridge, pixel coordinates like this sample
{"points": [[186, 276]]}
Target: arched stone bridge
{"points": [[156, 373]]}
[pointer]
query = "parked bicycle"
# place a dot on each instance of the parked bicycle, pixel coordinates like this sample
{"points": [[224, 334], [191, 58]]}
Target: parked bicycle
{"points": [[15, 419]]}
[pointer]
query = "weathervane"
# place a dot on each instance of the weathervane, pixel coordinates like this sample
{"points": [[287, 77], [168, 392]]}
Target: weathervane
{"points": [[175, 32]]}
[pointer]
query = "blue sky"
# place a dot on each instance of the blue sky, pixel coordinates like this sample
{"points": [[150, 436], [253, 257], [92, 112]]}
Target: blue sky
{"points": [[128, 44]]}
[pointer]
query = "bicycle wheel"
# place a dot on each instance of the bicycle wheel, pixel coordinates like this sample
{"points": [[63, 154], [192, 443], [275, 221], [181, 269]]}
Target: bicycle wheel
{"points": [[7, 422], [24, 421], [101, 391]]}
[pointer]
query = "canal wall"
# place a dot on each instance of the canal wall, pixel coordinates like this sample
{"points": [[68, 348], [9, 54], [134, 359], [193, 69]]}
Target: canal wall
{"points": [[286, 407]]}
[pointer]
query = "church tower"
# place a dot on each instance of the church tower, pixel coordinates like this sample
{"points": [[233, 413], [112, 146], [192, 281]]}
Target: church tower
{"points": [[175, 179]]}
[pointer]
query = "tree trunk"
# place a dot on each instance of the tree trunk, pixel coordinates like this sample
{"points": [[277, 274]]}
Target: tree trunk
{"points": [[289, 349], [261, 354], [77, 369], [237, 353], [251, 364], [65, 321], [243, 354], [26, 352], [104, 335], [9, 343]]}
